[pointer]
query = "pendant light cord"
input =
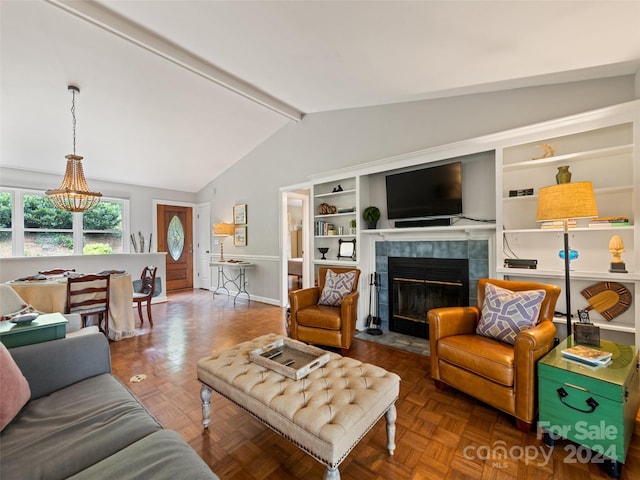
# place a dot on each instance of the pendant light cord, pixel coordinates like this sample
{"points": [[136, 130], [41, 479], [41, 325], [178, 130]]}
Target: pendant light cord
{"points": [[73, 116]]}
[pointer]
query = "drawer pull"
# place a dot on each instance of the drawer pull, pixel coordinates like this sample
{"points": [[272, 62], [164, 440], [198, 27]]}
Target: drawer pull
{"points": [[591, 403]]}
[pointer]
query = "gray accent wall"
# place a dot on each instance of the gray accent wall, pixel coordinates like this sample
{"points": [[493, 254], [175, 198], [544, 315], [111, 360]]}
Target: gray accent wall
{"points": [[327, 141]]}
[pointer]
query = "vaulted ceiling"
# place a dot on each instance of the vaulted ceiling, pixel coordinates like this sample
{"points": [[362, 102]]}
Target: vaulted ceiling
{"points": [[174, 92]]}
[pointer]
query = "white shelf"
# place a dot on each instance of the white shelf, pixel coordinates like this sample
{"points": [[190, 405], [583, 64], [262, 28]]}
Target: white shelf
{"points": [[603, 326], [335, 263], [597, 191], [450, 228], [560, 230], [346, 235], [333, 194], [330, 215], [602, 152], [575, 275]]}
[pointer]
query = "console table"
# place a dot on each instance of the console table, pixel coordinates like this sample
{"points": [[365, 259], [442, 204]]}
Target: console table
{"points": [[49, 326], [226, 278]]}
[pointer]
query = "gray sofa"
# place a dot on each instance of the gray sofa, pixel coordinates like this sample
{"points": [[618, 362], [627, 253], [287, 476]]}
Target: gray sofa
{"points": [[82, 423]]}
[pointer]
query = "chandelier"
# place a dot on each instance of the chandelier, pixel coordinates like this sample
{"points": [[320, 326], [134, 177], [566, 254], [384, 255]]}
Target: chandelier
{"points": [[74, 194]]}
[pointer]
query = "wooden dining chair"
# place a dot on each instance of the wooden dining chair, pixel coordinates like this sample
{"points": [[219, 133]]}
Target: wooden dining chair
{"points": [[88, 295], [147, 289], [56, 271]]}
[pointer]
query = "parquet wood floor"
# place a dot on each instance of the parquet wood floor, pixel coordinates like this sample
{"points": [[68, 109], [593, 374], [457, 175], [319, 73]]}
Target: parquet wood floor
{"points": [[440, 434]]}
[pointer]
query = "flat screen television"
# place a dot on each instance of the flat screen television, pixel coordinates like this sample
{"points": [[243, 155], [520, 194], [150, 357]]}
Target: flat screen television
{"points": [[428, 192]]}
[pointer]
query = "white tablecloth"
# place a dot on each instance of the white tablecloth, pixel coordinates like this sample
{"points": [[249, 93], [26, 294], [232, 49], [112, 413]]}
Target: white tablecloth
{"points": [[50, 296]]}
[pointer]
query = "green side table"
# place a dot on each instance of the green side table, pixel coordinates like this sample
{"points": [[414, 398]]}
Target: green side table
{"points": [[48, 326], [594, 407]]}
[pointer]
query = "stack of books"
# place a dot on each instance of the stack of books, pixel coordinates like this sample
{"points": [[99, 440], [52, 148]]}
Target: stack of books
{"points": [[558, 224], [603, 222], [588, 355]]}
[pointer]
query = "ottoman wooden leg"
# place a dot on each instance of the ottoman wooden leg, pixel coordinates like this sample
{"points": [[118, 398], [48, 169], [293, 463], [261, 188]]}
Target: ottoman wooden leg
{"points": [[205, 395], [391, 416], [332, 474]]}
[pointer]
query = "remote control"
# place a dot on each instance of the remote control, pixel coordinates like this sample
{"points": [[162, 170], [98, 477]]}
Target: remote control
{"points": [[288, 362], [273, 353]]}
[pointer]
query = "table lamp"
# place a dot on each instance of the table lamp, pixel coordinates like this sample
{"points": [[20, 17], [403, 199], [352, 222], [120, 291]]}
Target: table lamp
{"points": [[563, 202], [223, 230]]}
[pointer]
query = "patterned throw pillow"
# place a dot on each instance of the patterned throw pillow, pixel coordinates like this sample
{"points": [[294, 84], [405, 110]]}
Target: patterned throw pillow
{"points": [[336, 287], [506, 313]]}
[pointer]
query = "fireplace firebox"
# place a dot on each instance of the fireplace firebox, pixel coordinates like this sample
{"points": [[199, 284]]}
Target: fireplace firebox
{"points": [[416, 285]]}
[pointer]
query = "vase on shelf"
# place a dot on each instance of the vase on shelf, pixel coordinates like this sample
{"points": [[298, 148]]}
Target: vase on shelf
{"points": [[563, 175], [323, 251]]}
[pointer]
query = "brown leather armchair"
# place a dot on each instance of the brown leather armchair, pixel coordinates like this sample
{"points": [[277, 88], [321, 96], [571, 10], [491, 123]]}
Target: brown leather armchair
{"points": [[323, 324], [495, 372]]}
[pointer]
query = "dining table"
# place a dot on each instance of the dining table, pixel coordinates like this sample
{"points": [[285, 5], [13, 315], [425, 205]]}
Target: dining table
{"points": [[48, 294]]}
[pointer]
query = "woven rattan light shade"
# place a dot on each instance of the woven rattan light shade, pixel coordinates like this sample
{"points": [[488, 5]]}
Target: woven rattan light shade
{"points": [[74, 194], [566, 200]]}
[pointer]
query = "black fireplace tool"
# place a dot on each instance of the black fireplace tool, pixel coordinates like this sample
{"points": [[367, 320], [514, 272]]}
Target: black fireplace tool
{"points": [[373, 320]]}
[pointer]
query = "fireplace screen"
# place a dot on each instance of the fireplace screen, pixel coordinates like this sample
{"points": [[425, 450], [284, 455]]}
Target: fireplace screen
{"points": [[419, 284]]}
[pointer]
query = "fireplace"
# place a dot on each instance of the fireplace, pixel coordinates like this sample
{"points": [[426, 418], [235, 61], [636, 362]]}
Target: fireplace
{"points": [[416, 285]]}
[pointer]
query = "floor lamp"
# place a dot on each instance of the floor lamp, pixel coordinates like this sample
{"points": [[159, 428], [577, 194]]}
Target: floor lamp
{"points": [[223, 230], [563, 202]]}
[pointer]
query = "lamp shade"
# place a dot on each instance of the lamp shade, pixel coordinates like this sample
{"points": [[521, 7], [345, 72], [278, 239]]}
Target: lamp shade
{"points": [[223, 229], [566, 200]]}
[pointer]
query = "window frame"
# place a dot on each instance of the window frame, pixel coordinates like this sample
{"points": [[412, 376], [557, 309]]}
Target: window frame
{"points": [[18, 230]]}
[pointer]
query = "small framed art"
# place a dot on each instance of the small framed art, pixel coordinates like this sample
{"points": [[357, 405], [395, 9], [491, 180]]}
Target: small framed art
{"points": [[240, 237], [240, 214]]}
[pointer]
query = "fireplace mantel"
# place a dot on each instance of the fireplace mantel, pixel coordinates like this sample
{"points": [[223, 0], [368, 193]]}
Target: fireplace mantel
{"points": [[454, 231]]}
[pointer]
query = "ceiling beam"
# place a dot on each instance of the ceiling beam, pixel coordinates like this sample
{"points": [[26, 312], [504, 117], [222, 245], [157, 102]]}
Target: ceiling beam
{"points": [[136, 34]]}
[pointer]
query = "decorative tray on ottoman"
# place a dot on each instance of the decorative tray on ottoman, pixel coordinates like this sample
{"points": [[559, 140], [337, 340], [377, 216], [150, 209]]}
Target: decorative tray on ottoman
{"points": [[291, 359]]}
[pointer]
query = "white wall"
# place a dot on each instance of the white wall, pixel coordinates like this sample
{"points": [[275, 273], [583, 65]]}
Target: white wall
{"points": [[322, 142], [140, 198]]}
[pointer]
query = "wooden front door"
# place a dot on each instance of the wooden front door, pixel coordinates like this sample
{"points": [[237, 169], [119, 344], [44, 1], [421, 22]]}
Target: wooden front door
{"points": [[175, 236]]}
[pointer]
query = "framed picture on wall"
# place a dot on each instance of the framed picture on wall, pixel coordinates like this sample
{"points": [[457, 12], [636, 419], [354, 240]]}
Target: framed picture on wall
{"points": [[240, 214], [240, 237]]}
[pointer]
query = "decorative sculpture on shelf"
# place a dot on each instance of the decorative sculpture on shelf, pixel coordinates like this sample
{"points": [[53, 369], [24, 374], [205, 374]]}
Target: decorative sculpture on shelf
{"points": [[326, 209], [547, 151], [609, 299], [616, 248]]}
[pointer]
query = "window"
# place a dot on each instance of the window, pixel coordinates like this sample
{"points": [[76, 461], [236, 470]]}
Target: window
{"points": [[6, 202], [47, 230], [102, 229], [31, 226]]}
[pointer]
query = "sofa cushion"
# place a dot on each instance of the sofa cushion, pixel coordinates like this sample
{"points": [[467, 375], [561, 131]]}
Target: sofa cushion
{"points": [[159, 456], [484, 356], [14, 388], [336, 287], [72, 429], [506, 313]]}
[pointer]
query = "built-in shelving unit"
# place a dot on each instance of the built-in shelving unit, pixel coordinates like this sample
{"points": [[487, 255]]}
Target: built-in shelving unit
{"points": [[328, 228], [600, 146], [601, 149]]}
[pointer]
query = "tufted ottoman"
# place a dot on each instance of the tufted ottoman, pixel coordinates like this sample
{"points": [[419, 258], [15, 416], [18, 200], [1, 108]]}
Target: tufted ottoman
{"points": [[325, 414]]}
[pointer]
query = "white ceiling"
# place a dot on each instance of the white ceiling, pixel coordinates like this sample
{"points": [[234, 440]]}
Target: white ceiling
{"points": [[175, 92]]}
